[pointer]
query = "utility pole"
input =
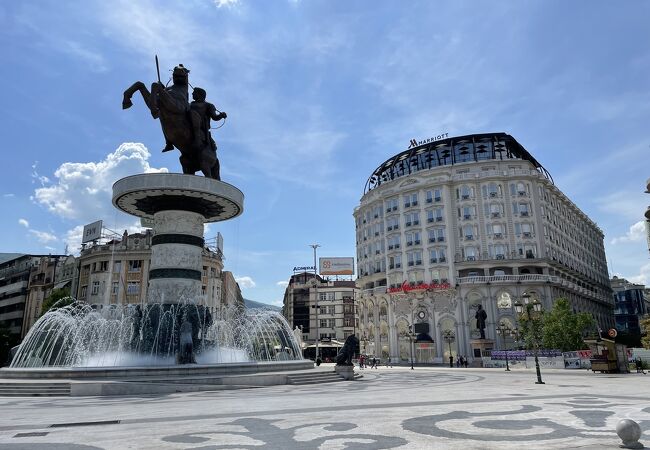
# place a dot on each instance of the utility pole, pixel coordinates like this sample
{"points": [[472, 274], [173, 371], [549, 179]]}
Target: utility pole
{"points": [[315, 246]]}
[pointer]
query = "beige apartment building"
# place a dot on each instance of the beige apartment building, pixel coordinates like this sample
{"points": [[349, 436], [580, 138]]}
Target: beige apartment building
{"points": [[322, 309], [116, 273], [472, 220]]}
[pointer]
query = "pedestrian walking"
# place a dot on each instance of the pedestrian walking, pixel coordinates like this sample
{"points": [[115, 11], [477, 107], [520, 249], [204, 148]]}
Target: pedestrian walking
{"points": [[639, 366], [374, 363]]}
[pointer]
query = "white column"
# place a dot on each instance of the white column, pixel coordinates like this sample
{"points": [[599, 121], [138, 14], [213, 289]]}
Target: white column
{"points": [[176, 265]]}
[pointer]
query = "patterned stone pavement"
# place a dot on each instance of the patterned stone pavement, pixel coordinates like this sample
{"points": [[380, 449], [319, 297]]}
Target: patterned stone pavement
{"points": [[389, 408]]}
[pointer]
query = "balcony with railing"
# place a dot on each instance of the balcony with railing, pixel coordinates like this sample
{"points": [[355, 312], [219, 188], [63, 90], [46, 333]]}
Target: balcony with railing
{"points": [[483, 256], [495, 279]]}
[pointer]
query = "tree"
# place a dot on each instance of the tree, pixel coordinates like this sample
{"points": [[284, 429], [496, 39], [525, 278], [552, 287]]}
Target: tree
{"points": [[645, 331], [58, 298], [7, 342], [563, 329]]}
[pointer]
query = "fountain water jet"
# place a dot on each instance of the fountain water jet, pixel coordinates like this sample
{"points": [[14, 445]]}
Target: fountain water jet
{"points": [[79, 336]]}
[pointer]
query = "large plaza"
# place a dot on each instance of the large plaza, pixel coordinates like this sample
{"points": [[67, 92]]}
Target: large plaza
{"points": [[387, 408]]}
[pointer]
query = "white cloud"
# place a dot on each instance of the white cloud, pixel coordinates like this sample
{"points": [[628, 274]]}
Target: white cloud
{"points": [[73, 239], [8, 195], [36, 177], [245, 282], [627, 204], [23, 222], [91, 58], [73, 236], [643, 277], [82, 191], [283, 284], [43, 236], [636, 233], [227, 3]]}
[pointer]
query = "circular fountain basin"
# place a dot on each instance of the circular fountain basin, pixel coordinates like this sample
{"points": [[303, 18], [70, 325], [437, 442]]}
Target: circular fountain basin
{"points": [[167, 372]]}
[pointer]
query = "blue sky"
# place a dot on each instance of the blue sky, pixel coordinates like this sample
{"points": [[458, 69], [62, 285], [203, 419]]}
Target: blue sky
{"points": [[318, 94]]}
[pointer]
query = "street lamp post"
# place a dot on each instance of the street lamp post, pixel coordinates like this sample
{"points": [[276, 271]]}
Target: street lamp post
{"points": [[449, 337], [315, 246], [411, 337], [530, 313], [503, 330]]}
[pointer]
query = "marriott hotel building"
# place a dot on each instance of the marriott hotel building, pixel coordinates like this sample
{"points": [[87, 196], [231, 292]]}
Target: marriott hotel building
{"points": [[468, 220]]}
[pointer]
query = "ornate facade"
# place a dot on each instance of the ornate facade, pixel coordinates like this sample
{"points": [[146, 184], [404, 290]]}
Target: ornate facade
{"points": [[117, 273], [449, 225]]}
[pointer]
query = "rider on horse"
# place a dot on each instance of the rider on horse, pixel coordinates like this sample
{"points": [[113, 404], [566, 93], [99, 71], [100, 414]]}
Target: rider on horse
{"points": [[185, 128], [206, 111]]}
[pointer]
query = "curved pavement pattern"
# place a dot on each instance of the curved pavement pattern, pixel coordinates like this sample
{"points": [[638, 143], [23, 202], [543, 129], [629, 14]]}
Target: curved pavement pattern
{"points": [[388, 408]]}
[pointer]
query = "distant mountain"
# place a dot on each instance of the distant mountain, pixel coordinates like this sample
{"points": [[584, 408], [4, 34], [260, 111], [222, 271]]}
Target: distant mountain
{"points": [[252, 305]]}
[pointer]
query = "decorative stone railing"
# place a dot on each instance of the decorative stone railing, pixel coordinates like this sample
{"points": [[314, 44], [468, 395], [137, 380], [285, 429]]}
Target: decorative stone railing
{"points": [[509, 279]]}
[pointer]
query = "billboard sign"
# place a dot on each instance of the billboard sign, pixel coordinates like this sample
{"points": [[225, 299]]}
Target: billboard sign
{"points": [[336, 266], [146, 222], [92, 232], [406, 287]]}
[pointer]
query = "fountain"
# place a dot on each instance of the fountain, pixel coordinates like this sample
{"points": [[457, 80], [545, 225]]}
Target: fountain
{"points": [[78, 335], [171, 335]]}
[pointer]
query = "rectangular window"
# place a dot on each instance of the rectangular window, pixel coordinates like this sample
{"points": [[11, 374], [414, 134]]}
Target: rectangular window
{"points": [[135, 266], [133, 288], [117, 266], [115, 286], [410, 200], [95, 288], [434, 195], [391, 204]]}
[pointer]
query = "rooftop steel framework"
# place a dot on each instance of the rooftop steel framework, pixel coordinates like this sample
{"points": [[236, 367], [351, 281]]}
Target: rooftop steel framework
{"points": [[454, 150]]}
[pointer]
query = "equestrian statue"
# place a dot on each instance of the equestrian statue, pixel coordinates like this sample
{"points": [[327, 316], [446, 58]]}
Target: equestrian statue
{"points": [[185, 126]]}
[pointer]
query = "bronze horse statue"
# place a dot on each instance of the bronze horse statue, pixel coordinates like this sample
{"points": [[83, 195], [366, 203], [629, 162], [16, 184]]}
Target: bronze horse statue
{"points": [[180, 124]]}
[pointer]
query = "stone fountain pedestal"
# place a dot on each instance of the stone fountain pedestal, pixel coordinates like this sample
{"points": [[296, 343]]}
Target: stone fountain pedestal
{"points": [[179, 206]]}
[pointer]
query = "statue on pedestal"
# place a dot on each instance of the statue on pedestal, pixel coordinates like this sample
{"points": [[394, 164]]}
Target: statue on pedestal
{"points": [[185, 126], [345, 355], [480, 317]]}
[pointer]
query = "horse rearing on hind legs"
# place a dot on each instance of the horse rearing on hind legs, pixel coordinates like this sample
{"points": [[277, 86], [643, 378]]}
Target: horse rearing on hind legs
{"points": [[181, 126]]}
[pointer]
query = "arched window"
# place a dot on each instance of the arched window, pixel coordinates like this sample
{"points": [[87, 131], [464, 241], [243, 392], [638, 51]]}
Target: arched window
{"points": [[466, 192], [470, 253], [371, 311], [521, 188], [383, 311], [494, 190]]}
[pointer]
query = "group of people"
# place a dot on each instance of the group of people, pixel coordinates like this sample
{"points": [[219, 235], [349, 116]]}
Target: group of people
{"points": [[363, 361], [461, 361]]}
